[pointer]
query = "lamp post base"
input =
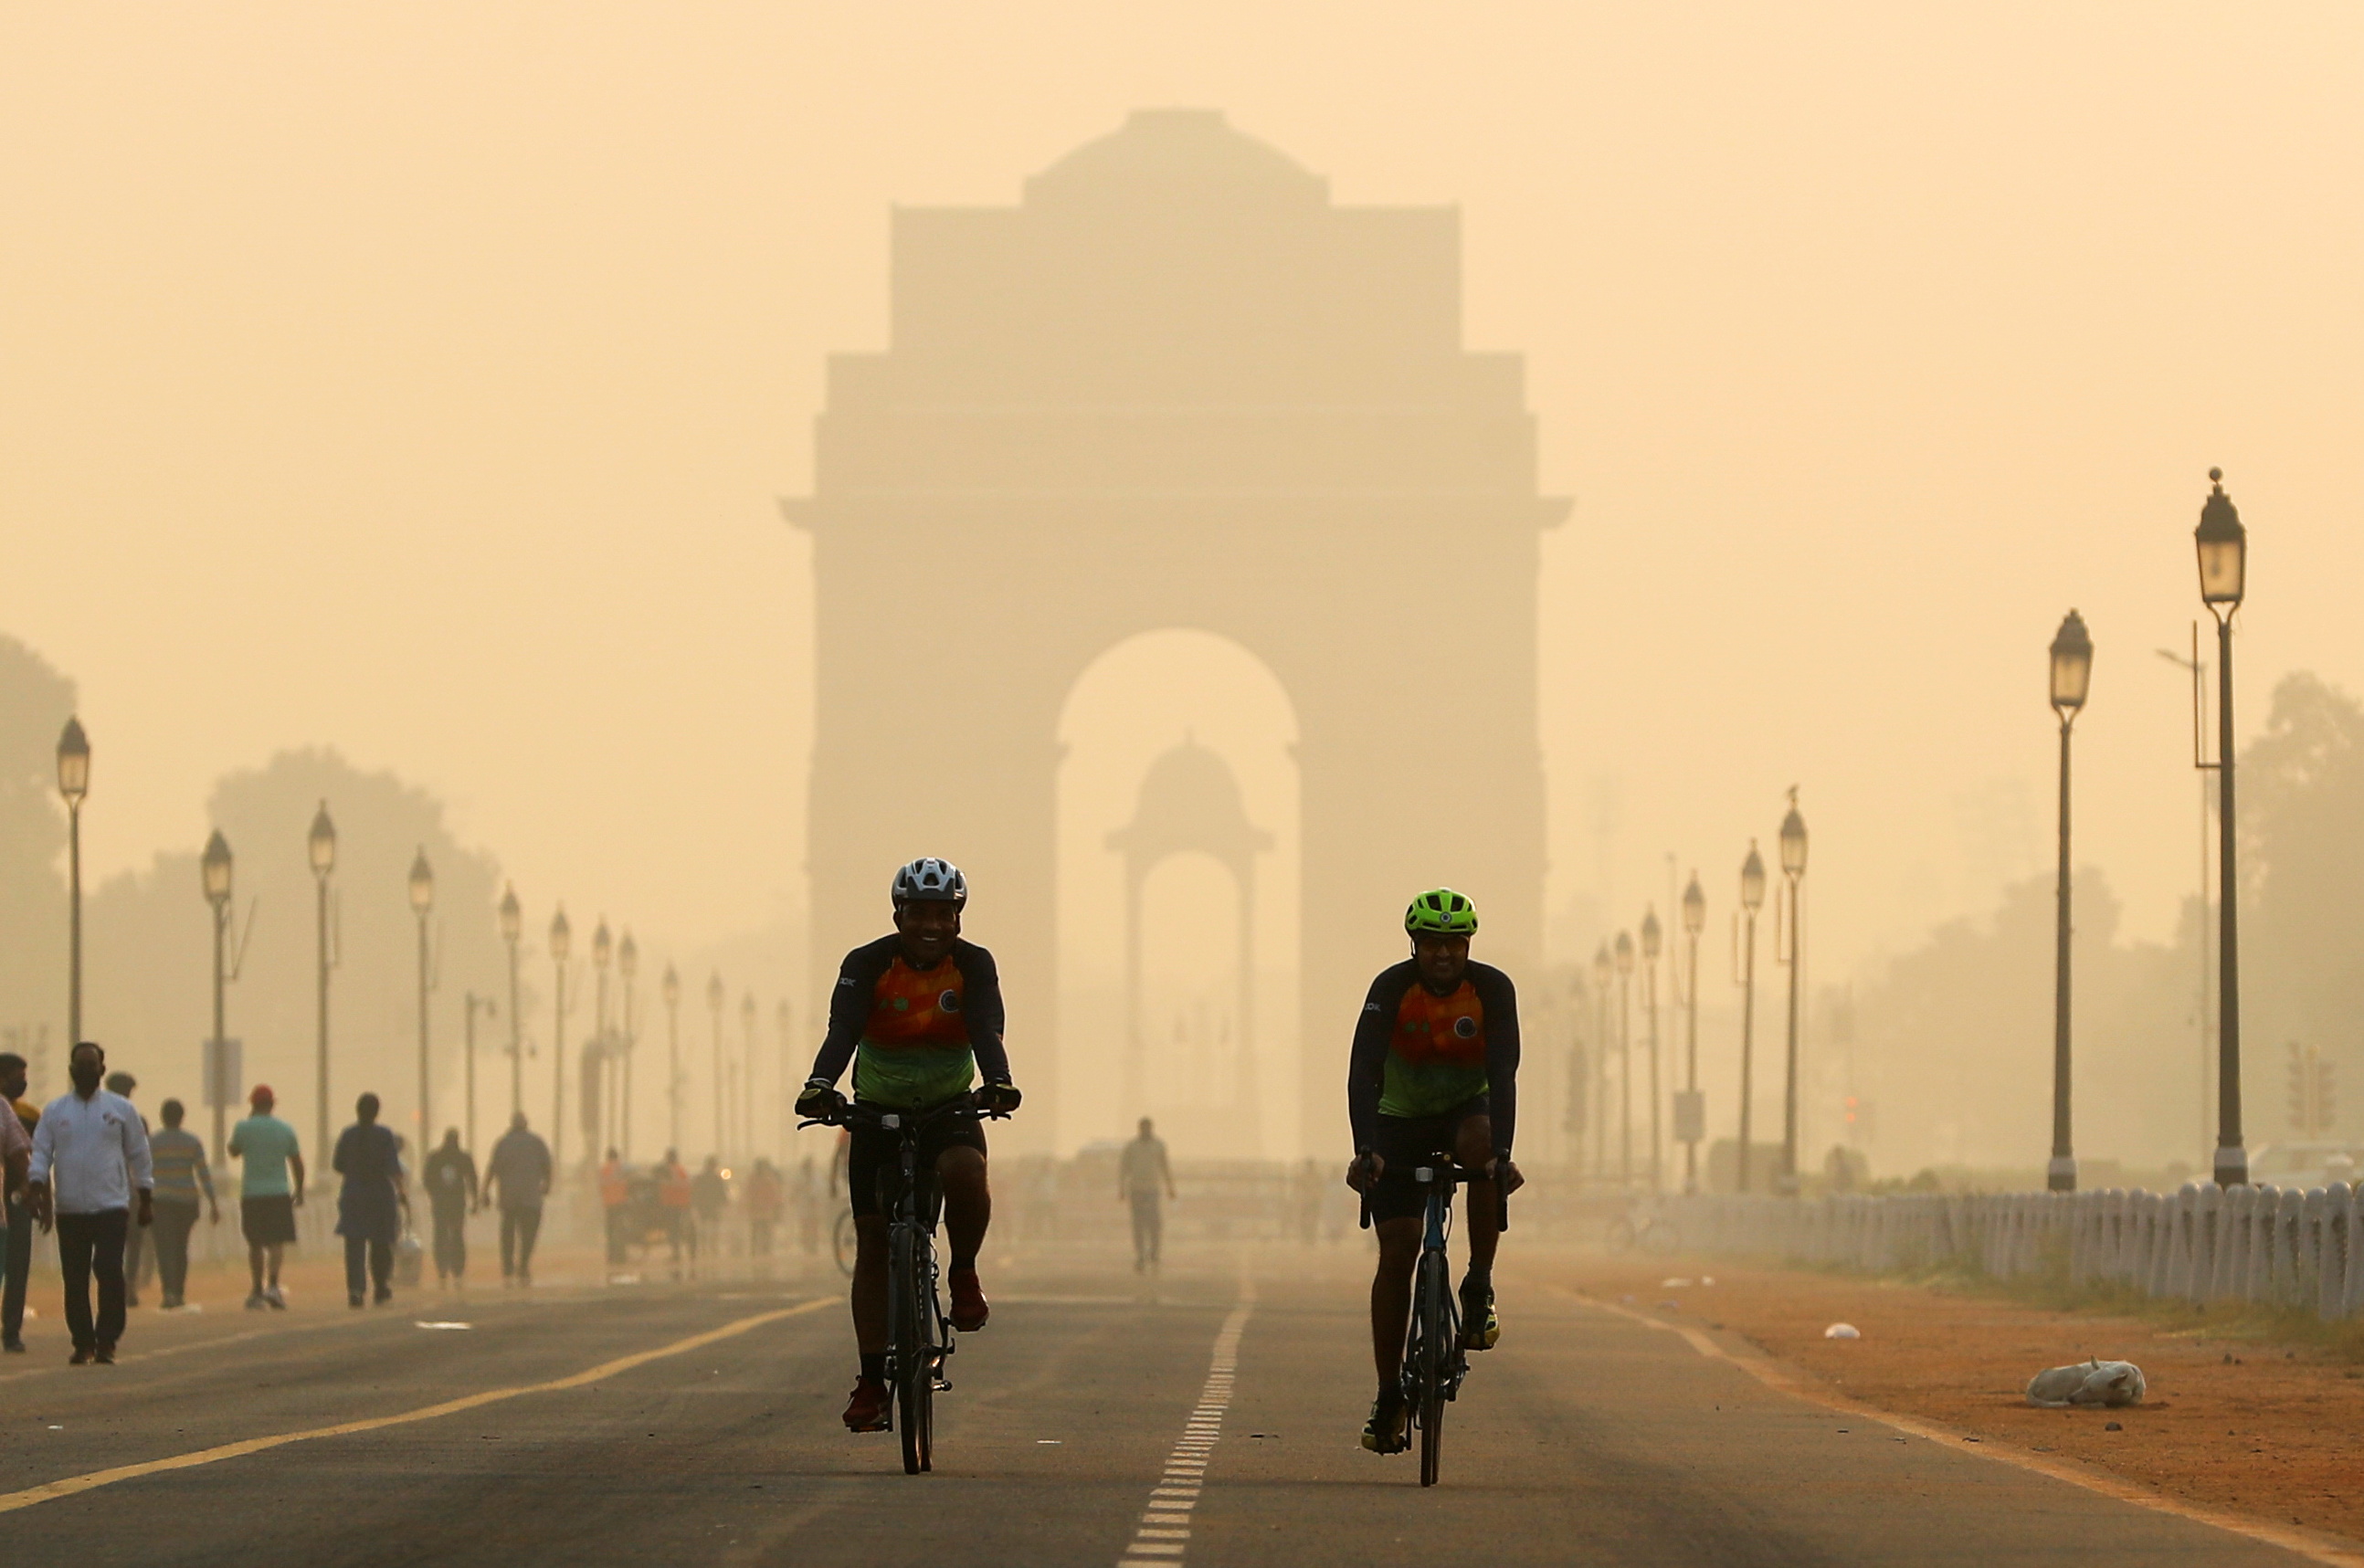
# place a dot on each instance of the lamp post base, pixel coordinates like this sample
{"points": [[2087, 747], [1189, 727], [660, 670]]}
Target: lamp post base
{"points": [[2060, 1176], [2231, 1166]]}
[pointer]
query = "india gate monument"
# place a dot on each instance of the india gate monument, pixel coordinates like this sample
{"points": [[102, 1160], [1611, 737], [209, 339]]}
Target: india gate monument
{"points": [[1177, 386]]}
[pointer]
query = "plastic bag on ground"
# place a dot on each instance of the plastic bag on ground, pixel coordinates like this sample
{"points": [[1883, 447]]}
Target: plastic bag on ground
{"points": [[2108, 1385]]}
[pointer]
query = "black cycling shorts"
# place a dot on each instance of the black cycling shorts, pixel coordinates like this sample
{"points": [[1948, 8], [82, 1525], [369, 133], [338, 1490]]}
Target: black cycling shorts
{"points": [[1403, 1143], [873, 1153]]}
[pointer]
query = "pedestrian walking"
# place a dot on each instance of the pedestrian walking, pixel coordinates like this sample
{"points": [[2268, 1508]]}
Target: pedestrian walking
{"points": [[519, 1168], [765, 1195], [89, 1157], [709, 1194], [1145, 1179], [270, 1191], [178, 1160], [809, 1207], [673, 1199], [19, 1240], [16, 1165], [615, 1192], [372, 1205], [137, 1262], [450, 1178]]}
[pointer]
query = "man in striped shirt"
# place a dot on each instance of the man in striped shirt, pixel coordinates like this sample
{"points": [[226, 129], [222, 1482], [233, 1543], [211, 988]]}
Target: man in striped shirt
{"points": [[179, 1160]]}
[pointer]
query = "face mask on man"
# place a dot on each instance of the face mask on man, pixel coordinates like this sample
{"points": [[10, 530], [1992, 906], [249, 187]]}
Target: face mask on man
{"points": [[86, 1074]]}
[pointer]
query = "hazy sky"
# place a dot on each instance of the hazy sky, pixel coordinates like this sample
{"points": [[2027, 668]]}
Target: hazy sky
{"points": [[418, 381]]}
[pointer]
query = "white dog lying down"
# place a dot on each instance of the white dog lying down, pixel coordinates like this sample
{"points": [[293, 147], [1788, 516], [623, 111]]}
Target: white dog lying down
{"points": [[2107, 1383]]}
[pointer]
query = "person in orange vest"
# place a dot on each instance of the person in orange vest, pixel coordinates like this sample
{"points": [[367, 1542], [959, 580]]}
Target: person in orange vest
{"points": [[672, 1197], [613, 1192], [767, 1194]]}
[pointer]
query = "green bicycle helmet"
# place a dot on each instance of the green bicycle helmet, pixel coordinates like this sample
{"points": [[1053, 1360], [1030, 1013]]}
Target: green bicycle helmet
{"points": [[1442, 909]]}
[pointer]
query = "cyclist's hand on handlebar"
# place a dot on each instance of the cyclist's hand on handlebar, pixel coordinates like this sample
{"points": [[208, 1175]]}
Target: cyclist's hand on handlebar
{"points": [[999, 1099], [819, 1101], [1505, 1170], [1365, 1172]]}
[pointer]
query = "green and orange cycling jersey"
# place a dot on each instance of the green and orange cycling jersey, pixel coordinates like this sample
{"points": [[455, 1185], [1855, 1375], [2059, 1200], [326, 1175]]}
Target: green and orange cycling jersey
{"points": [[1419, 1054], [916, 1037]]}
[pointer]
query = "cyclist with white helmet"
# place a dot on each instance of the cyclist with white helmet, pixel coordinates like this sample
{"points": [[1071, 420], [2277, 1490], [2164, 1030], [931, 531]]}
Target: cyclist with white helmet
{"points": [[918, 1013], [1434, 1074]]}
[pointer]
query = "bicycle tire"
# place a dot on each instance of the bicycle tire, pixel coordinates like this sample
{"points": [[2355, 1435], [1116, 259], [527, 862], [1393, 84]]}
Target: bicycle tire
{"points": [[843, 1242], [906, 1343], [1431, 1367]]}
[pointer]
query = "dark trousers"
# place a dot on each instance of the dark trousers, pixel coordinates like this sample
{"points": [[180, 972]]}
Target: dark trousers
{"points": [[367, 1258], [519, 1228], [20, 1265], [173, 1223], [1148, 1227], [452, 1242], [88, 1244]]}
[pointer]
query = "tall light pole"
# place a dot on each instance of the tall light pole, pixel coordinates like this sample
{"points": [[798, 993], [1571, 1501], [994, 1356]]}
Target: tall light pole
{"points": [[1690, 1120], [561, 942], [1602, 969], [2223, 549], [422, 904], [320, 846], [715, 996], [1794, 867], [1752, 899], [1650, 940], [599, 1115], [628, 964], [73, 783], [215, 868], [1625, 1058], [474, 1002], [513, 927], [673, 1056], [2072, 673], [746, 1128]]}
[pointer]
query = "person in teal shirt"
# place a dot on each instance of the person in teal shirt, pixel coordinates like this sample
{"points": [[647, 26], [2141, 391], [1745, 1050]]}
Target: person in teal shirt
{"points": [[269, 1194]]}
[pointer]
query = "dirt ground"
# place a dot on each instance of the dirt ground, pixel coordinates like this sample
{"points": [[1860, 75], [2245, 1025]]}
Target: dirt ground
{"points": [[2262, 1430]]}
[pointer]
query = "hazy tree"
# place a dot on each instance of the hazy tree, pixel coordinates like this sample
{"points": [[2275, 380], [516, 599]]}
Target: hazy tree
{"points": [[35, 701]]}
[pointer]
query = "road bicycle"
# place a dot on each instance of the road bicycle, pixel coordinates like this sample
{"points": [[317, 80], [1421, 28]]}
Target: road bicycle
{"points": [[1435, 1360], [919, 1331]]}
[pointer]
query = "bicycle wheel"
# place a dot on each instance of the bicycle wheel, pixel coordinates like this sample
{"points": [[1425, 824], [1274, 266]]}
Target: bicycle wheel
{"points": [[910, 1332], [841, 1242], [1434, 1363]]}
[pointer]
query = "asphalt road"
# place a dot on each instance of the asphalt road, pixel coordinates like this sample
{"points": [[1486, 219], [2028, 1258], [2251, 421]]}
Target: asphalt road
{"points": [[1097, 1420]]}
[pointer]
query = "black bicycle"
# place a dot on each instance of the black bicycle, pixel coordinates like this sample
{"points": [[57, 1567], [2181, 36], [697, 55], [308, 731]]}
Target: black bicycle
{"points": [[1435, 1360], [918, 1332]]}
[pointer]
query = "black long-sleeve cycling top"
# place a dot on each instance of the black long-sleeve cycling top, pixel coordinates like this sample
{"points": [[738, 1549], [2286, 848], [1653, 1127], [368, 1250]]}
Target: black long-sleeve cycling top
{"points": [[1417, 1053], [914, 1035]]}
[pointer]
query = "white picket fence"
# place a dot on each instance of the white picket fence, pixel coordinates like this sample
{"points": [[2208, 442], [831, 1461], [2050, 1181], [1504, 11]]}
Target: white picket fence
{"points": [[2203, 1243]]}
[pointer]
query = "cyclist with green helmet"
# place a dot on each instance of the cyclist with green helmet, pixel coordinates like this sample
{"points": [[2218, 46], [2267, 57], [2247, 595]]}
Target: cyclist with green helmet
{"points": [[1433, 1073]]}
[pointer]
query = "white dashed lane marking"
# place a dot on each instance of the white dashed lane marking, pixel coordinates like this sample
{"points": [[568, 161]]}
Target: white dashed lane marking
{"points": [[1165, 1529]]}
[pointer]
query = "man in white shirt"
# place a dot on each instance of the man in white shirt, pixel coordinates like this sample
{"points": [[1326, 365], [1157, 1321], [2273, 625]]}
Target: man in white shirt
{"points": [[89, 1154]]}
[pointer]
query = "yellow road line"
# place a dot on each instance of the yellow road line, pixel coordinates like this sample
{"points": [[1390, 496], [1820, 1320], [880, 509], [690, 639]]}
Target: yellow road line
{"points": [[2310, 1544], [49, 1491]]}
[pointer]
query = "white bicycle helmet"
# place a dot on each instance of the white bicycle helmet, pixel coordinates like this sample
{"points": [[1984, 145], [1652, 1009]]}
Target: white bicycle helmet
{"points": [[930, 880]]}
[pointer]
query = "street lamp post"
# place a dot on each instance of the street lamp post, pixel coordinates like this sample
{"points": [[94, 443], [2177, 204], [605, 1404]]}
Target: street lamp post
{"points": [[599, 1107], [787, 1020], [422, 902], [561, 942], [1650, 939], [628, 964], [1693, 1121], [2224, 550], [1625, 1058], [1752, 899], [73, 783], [320, 846], [1793, 868], [673, 1056], [1602, 968], [715, 996], [512, 927], [2072, 673], [216, 868], [746, 1128]]}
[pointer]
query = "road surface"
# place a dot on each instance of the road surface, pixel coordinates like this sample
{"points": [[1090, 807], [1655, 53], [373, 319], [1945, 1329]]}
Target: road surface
{"points": [[1100, 1419]]}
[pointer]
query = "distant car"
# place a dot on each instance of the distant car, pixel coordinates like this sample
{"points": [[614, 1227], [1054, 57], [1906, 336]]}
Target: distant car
{"points": [[2304, 1166]]}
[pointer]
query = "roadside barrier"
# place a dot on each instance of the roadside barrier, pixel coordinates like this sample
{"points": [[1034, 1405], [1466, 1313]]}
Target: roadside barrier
{"points": [[2202, 1243]]}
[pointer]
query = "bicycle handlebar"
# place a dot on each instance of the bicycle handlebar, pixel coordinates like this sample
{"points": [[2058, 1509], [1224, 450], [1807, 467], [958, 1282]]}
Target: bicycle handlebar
{"points": [[872, 1118], [1454, 1173]]}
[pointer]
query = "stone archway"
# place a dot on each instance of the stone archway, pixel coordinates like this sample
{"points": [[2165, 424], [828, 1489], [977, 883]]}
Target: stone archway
{"points": [[1179, 386]]}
